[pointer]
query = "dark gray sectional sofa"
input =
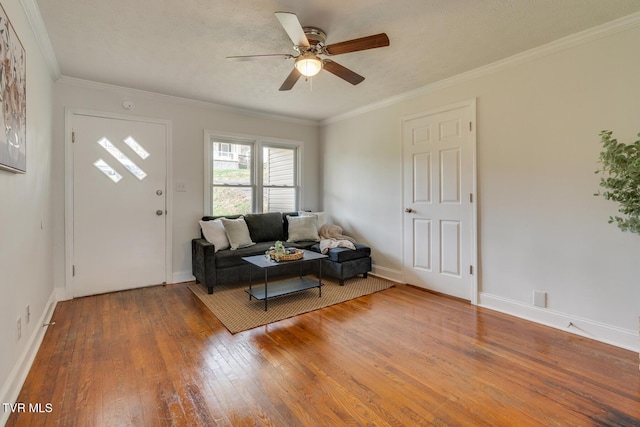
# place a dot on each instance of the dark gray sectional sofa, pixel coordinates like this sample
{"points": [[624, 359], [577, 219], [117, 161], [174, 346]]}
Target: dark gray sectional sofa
{"points": [[211, 267]]}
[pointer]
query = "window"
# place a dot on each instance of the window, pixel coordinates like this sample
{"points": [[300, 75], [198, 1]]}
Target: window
{"points": [[244, 175], [232, 186]]}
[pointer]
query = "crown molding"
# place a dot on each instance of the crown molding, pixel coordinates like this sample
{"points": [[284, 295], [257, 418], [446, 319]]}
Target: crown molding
{"points": [[126, 91], [583, 37], [42, 37]]}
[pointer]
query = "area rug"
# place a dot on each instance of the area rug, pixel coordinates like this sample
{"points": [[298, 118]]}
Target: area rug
{"points": [[232, 307]]}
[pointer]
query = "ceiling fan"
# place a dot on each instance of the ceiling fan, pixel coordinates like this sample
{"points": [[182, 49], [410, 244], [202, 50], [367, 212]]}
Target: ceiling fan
{"points": [[309, 43]]}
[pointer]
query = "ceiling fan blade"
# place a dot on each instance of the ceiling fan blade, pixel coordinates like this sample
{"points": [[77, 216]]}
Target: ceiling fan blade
{"points": [[342, 72], [260, 57], [363, 43], [291, 79], [291, 25]]}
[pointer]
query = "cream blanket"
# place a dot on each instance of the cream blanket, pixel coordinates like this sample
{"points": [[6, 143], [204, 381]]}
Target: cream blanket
{"points": [[331, 237]]}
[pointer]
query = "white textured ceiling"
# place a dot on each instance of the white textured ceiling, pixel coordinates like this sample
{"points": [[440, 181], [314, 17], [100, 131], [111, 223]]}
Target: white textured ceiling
{"points": [[178, 47]]}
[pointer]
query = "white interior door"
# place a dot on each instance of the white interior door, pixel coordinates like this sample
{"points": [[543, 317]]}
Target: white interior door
{"points": [[439, 183], [119, 204]]}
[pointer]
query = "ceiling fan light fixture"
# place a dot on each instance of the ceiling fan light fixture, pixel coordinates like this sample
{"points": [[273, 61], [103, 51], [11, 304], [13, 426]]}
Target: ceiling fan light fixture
{"points": [[308, 64]]}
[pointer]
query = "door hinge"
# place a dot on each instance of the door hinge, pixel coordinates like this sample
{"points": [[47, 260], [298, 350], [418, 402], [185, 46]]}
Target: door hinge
{"points": [[73, 271], [73, 136], [471, 269], [470, 126], [470, 197]]}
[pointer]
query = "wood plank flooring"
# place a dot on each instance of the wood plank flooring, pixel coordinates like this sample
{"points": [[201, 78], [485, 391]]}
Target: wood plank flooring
{"points": [[402, 357]]}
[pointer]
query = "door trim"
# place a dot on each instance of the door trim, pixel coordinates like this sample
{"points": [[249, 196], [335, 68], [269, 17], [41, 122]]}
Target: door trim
{"points": [[471, 104], [68, 189]]}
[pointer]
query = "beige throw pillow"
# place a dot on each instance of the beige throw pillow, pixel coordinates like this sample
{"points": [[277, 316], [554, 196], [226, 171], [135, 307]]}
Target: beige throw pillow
{"points": [[321, 217], [237, 233], [302, 228], [213, 232]]}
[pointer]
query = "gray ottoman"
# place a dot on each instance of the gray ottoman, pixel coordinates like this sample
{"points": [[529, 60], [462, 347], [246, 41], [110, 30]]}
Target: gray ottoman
{"points": [[345, 263]]}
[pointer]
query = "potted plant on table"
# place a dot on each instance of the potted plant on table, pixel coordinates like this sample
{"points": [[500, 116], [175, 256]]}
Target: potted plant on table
{"points": [[279, 252]]}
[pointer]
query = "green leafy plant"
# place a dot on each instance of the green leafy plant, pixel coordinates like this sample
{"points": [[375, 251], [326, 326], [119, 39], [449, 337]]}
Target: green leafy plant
{"points": [[279, 250], [621, 180]]}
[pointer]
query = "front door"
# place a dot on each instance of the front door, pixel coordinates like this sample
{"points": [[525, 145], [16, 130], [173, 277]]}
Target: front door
{"points": [[119, 238], [439, 184]]}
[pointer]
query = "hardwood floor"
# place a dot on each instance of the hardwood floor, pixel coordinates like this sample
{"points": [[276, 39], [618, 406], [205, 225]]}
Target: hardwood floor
{"points": [[402, 357]]}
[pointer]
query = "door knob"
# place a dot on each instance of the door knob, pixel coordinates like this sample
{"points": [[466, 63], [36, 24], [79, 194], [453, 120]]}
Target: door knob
{"points": [[409, 210], [159, 212]]}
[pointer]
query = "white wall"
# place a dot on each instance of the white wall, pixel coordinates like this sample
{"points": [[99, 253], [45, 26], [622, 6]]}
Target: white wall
{"points": [[189, 120], [539, 225], [26, 249]]}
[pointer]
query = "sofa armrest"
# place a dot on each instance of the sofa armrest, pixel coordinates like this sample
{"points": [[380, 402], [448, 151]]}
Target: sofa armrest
{"points": [[203, 262]]}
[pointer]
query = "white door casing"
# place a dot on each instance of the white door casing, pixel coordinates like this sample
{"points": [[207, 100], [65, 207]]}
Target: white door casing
{"points": [[118, 233], [439, 188]]}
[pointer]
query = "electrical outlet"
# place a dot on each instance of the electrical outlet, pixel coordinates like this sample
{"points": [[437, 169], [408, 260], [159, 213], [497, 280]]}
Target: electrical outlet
{"points": [[540, 299], [27, 314], [19, 329]]}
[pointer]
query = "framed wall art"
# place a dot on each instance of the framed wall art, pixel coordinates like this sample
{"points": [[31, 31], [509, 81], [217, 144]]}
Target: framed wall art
{"points": [[13, 94]]}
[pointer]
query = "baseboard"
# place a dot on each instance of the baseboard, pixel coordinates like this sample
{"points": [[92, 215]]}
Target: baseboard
{"points": [[17, 376], [607, 334], [183, 276], [387, 273]]}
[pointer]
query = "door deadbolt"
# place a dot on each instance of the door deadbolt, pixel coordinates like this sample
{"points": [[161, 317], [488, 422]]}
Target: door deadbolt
{"points": [[409, 210], [159, 212], [159, 192]]}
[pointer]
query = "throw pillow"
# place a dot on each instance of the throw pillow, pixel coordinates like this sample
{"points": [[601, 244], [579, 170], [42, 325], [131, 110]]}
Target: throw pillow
{"points": [[213, 232], [321, 217], [265, 227], [237, 233], [302, 228]]}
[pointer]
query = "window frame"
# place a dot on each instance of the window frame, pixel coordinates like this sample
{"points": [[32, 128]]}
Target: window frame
{"points": [[257, 144]]}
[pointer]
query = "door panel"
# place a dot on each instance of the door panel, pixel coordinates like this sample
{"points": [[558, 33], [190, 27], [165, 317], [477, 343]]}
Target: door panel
{"points": [[450, 250], [422, 178], [422, 244], [439, 178], [119, 204], [450, 176]]}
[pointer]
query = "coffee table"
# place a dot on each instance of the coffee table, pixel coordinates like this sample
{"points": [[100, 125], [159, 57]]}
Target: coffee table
{"points": [[287, 287]]}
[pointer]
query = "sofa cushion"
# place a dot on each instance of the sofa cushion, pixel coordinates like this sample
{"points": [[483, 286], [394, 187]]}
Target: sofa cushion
{"points": [[214, 232], [229, 258], [344, 254], [302, 244], [237, 233], [302, 228], [265, 227]]}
